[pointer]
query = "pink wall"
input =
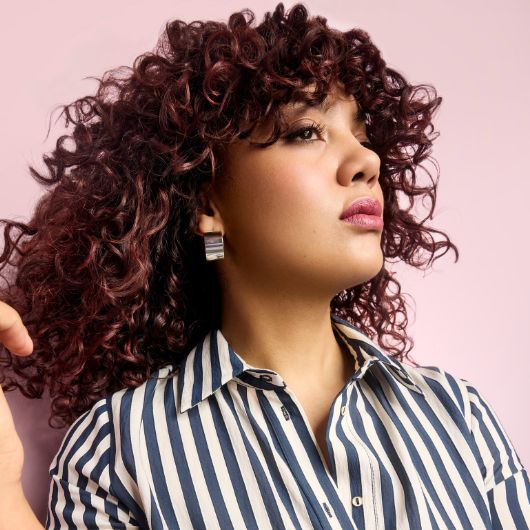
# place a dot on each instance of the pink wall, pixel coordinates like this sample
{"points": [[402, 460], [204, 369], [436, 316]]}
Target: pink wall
{"points": [[472, 318]]}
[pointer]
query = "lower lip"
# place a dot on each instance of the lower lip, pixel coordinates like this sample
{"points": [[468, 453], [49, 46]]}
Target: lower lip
{"points": [[373, 222]]}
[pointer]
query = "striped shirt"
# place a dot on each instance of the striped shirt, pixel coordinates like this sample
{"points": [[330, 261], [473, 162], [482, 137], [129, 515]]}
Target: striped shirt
{"points": [[221, 444]]}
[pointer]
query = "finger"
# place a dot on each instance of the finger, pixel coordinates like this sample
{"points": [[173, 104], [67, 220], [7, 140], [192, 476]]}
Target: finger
{"points": [[13, 333]]}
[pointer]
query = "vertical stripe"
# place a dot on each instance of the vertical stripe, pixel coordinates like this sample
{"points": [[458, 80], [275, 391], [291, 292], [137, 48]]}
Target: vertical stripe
{"points": [[223, 444]]}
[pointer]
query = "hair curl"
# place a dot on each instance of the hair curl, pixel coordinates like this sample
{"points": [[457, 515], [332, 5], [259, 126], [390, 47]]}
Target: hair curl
{"points": [[111, 278]]}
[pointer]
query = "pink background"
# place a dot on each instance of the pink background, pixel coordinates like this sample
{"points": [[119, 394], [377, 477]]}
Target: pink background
{"points": [[471, 318]]}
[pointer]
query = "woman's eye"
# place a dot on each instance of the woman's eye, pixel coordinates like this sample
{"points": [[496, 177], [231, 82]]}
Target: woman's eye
{"points": [[303, 134]]}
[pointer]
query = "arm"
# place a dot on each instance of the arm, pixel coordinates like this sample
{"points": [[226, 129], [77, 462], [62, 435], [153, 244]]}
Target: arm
{"points": [[505, 478], [81, 493], [16, 512], [80, 490]]}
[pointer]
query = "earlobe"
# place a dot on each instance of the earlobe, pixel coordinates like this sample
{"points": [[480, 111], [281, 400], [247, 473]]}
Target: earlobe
{"points": [[208, 223], [208, 217]]}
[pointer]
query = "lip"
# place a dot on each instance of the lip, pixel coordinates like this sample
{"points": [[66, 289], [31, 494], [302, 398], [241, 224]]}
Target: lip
{"points": [[365, 205], [372, 222]]}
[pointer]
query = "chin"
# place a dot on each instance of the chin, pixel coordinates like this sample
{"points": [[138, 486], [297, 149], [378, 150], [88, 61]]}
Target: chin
{"points": [[362, 270]]}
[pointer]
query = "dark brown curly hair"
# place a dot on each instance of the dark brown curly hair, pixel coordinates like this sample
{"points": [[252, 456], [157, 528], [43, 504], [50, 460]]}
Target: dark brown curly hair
{"points": [[109, 275]]}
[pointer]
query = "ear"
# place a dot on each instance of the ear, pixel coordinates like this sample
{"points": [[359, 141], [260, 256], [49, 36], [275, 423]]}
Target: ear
{"points": [[208, 217]]}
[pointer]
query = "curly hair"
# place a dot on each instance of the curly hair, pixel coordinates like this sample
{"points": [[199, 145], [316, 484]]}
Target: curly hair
{"points": [[109, 275]]}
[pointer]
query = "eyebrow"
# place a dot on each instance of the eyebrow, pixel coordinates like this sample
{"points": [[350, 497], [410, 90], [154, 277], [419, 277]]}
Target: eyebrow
{"points": [[324, 106]]}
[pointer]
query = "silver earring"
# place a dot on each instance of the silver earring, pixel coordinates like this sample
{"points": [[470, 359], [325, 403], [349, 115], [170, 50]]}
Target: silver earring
{"points": [[213, 246]]}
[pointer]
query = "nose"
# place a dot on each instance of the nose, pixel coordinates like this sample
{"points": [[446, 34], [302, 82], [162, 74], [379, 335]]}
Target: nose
{"points": [[358, 163]]}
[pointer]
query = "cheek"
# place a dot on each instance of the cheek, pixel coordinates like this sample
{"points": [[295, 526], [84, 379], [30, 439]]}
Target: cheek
{"points": [[276, 206], [282, 220], [276, 191]]}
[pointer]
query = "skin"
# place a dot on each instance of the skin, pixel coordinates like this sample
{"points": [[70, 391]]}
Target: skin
{"points": [[15, 511], [287, 253], [14, 335]]}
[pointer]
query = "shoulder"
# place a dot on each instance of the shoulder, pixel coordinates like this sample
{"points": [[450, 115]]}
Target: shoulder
{"points": [[83, 458], [127, 404], [106, 432], [491, 445], [445, 388]]}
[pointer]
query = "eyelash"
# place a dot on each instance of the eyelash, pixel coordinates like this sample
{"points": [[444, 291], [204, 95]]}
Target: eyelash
{"points": [[315, 127], [318, 128]]}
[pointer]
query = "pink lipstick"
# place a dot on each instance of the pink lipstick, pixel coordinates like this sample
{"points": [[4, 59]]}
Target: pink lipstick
{"points": [[364, 212]]}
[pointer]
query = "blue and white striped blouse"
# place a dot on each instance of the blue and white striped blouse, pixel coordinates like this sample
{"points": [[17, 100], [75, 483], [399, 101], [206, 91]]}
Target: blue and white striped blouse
{"points": [[222, 444]]}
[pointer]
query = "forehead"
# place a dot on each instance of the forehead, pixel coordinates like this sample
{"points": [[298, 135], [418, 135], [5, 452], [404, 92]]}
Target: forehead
{"points": [[336, 95], [294, 109]]}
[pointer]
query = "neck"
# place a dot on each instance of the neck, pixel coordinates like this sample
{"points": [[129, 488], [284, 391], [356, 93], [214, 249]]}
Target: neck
{"points": [[291, 337]]}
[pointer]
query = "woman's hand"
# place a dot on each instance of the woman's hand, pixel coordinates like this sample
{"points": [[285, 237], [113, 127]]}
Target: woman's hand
{"points": [[15, 512], [14, 335]]}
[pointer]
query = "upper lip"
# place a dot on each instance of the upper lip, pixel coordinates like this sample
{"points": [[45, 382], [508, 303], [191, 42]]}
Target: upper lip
{"points": [[366, 205]]}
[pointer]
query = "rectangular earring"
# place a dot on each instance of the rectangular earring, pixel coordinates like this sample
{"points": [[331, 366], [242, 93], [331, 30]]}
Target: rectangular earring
{"points": [[213, 246]]}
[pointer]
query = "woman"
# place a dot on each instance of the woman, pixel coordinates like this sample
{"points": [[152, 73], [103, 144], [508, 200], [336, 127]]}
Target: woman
{"points": [[203, 285]]}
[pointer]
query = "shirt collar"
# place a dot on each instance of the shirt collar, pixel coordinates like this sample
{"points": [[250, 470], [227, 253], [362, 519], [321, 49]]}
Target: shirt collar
{"points": [[212, 363]]}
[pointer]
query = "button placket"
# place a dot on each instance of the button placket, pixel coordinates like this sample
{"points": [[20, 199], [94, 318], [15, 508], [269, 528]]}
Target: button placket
{"points": [[336, 516], [368, 484]]}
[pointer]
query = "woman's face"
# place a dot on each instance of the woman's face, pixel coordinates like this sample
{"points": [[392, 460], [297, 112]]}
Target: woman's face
{"points": [[279, 207]]}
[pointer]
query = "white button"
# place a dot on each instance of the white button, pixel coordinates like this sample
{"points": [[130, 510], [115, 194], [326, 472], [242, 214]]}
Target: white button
{"points": [[357, 501], [343, 410]]}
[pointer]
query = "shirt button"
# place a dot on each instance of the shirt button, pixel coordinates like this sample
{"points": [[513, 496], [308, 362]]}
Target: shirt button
{"points": [[343, 410], [357, 501]]}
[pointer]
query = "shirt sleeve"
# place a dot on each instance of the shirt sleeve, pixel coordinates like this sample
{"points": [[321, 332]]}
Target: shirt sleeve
{"points": [[80, 494], [505, 478]]}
